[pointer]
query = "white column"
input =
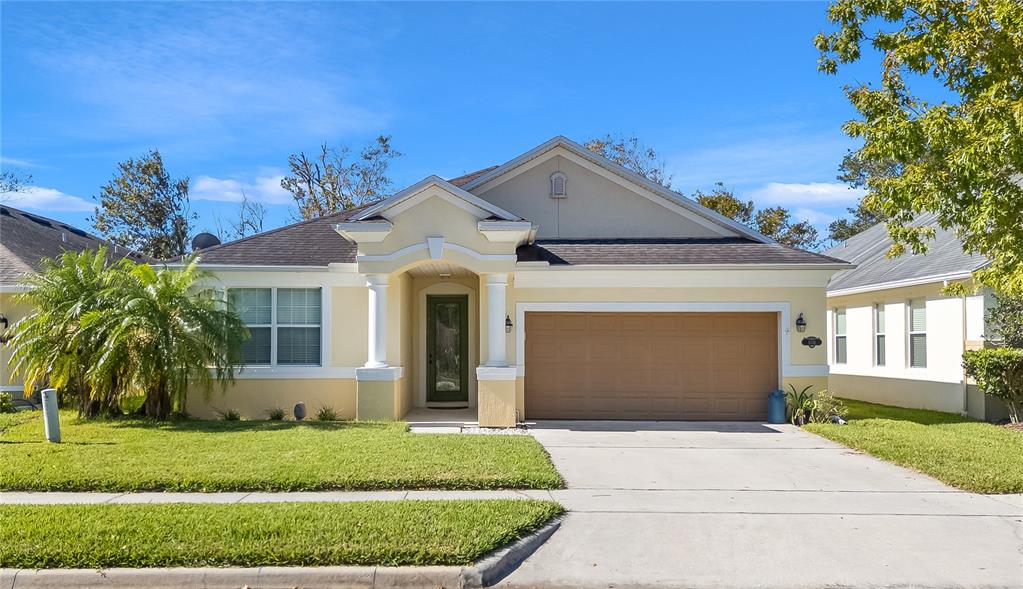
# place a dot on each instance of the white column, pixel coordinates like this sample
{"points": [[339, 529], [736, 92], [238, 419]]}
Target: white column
{"points": [[497, 284], [377, 320]]}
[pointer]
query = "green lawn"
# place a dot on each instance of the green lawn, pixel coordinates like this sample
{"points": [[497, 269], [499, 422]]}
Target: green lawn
{"points": [[957, 450], [389, 533], [135, 455]]}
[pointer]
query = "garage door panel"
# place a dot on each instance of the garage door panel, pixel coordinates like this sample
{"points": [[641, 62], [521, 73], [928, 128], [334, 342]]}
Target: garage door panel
{"points": [[650, 365]]}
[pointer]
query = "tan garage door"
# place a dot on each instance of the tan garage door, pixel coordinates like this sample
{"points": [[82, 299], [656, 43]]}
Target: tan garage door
{"points": [[700, 366]]}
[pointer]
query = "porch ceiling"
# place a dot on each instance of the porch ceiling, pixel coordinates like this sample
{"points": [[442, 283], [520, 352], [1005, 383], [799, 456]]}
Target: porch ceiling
{"points": [[440, 270]]}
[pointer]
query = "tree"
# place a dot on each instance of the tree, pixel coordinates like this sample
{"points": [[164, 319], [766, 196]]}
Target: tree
{"points": [[1005, 320], [774, 222], [249, 220], [334, 181], [12, 181], [144, 209], [958, 153], [51, 345], [855, 173], [109, 331], [166, 335], [630, 153]]}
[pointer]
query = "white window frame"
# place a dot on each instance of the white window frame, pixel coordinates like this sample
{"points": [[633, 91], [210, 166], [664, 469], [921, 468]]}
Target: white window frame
{"points": [[880, 334], [910, 333], [844, 336], [274, 325]]}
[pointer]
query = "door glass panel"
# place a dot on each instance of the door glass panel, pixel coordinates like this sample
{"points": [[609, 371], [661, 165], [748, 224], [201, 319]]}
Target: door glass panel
{"points": [[447, 338]]}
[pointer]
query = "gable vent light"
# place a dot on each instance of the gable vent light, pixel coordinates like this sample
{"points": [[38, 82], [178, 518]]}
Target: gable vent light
{"points": [[559, 185]]}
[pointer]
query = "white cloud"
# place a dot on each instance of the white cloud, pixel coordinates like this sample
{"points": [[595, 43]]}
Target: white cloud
{"points": [[782, 193], [264, 188], [16, 163], [47, 200], [819, 218]]}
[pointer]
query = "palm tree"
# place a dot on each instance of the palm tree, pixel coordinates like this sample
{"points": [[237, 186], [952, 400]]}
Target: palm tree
{"points": [[116, 330], [167, 334], [50, 345]]}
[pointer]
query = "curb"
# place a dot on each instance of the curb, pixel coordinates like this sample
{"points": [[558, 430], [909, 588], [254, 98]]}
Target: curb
{"points": [[491, 569]]}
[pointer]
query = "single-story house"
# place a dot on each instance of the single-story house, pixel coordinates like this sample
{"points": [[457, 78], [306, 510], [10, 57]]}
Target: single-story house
{"points": [[895, 336], [555, 285], [25, 239]]}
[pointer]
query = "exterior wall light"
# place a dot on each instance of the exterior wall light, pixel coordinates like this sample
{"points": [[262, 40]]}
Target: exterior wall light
{"points": [[507, 324], [800, 323]]}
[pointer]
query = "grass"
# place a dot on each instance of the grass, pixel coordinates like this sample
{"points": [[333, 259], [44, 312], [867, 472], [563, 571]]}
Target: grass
{"points": [[137, 455], [272, 534], [962, 452]]}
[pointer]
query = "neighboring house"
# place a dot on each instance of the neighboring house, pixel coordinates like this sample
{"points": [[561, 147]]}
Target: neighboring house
{"points": [[894, 337], [25, 239], [556, 285]]}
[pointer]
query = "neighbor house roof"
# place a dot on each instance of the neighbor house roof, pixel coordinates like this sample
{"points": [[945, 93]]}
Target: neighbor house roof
{"points": [[945, 259], [467, 178], [312, 242], [704, 251], [27, 238]]}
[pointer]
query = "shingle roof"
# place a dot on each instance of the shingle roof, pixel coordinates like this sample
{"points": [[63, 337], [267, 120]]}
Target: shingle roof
{"points": [[467, 178], [312, 242], [868, 250], [27, 238], [666, 251]]}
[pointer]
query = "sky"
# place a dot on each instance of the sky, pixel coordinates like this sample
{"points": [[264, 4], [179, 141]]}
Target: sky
{"points": [[724, 91]]}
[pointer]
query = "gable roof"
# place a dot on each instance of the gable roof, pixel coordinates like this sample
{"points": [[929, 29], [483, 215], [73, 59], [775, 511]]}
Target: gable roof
{"points": [[312, 242], [659, 191], [945, 260], [27, 238], [725, 251], [378, 208], [466, 178]]}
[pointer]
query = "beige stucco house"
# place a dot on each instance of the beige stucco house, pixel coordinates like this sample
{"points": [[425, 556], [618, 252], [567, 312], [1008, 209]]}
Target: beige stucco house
{"points": [[895, 336], [556, 285]]}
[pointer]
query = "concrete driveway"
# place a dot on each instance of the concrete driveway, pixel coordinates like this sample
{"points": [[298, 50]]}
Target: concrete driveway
{"points": [[670, 504]]}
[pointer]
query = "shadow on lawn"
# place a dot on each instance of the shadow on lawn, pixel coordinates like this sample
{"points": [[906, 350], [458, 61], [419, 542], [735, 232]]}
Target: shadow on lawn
{"points": [[205, 426]]}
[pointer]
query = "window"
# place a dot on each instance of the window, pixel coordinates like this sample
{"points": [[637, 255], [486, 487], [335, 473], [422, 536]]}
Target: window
{"points": [[559, 185], [879, 349], [284, 324], [918, 333], [841, 347]]}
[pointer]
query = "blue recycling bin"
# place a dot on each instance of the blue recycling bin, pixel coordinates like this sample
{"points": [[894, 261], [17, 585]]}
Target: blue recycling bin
{"points": [[776, 407]]}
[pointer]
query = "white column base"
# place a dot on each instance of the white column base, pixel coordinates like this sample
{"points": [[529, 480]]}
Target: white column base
{"points": [[496, 373], [384, 373]]}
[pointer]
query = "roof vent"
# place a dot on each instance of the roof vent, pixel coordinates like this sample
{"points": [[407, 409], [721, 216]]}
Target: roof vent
{"points": [[203, 241], [63, 236], [559, 185]]}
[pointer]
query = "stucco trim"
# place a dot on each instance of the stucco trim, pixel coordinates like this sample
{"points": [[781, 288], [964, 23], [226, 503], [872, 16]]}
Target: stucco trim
{"points": [[463, 199], [784, 308], [253, 372], [410, 249], [386, 373], [496, 372]]}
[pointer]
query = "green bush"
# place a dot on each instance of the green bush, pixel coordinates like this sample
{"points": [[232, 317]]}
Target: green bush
{"points": [[999, 373], [230, 415], [805, 407], [326, 413], [275, 414], [6, 403]]}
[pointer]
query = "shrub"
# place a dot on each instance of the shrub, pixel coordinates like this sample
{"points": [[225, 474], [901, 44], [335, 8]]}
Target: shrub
{"points": [[806, 407], [999, 373], [795, 402], [230, 415], [326, 413], [6, 403], [275, 414]]}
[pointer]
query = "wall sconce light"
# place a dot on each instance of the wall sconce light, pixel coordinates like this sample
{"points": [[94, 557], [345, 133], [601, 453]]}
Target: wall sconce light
{"points": [[800, 323], [5, 336], [507, 324]]}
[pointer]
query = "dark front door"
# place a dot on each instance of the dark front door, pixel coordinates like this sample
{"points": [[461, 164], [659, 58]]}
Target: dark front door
{"points": [[447, 348]]}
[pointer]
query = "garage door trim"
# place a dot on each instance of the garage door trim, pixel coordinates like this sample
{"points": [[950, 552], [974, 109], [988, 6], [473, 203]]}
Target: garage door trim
{"points": [[783, 308]]}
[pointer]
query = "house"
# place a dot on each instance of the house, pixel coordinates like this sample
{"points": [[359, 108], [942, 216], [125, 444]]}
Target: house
{"points": [[555, 285], [895, 336], [25, 239]]}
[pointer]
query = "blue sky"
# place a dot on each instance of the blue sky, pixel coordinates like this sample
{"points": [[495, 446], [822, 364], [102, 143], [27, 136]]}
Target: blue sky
{"points": [[723, 91]]}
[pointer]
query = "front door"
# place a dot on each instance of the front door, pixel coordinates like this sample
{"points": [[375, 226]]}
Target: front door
{"points": [[447, 349]]}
